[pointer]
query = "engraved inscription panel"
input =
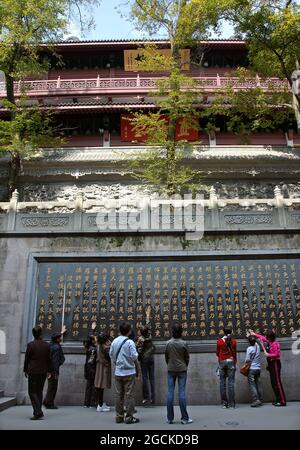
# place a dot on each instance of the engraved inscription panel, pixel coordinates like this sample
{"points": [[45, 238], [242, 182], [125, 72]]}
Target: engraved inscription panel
{"points": [[202, 295]]}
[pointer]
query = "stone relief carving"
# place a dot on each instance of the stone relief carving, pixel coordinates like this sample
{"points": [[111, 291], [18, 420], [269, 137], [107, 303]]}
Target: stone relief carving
{"points": [[295, 218], [44, 222], [248, 219], [68, 191], [97, 190], [92, 221]]}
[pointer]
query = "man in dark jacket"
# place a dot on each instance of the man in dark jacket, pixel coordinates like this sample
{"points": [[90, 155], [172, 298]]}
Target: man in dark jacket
{"points": [[177, 359], [37, 365], [57, 358]]}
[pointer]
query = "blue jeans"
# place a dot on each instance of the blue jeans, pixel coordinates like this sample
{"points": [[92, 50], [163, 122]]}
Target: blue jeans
{"points": [[227, 370], [255, 385], [172, 376]]}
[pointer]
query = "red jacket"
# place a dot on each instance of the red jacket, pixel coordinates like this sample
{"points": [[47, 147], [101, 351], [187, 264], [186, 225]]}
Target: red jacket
{"points": [[223, 351]]}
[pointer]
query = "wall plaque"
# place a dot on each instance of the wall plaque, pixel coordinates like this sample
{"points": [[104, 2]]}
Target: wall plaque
{"points": [[202, 295]]}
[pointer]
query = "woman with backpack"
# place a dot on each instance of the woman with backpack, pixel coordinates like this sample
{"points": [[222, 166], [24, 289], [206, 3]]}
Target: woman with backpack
{"points": [[103, 370], [146, 349], [226, 353]]}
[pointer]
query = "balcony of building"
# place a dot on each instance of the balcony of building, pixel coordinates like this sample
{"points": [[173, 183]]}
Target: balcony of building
{"points": [[134, 84]]}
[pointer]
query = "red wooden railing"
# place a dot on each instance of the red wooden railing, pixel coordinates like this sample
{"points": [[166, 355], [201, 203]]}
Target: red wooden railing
{"points": [[133, 85]]}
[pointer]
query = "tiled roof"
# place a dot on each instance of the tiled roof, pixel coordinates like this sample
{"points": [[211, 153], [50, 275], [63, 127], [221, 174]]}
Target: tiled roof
{"points": [[107, 42], [94, 105], [245, 153]]}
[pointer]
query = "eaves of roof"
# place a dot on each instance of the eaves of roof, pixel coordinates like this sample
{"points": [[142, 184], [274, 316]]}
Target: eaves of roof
{"points": [[135, 42]]}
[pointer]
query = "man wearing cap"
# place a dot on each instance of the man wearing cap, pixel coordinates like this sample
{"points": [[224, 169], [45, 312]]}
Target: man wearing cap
{"points": [[57, 358]]}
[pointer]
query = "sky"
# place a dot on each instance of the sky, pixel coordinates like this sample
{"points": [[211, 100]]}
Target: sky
{"points": [[110, 25]]}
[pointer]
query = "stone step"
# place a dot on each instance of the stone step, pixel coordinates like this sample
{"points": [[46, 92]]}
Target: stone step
{"points": [[6, 402]]}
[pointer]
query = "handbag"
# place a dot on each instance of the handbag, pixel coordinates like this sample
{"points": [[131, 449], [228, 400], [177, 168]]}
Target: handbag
{"points": [[244, 370]]}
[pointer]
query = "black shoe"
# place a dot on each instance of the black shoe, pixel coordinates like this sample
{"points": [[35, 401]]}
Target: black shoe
{"points": [[278, 404], [39, 417], [132, 419], [51, 407], [119, 419]]}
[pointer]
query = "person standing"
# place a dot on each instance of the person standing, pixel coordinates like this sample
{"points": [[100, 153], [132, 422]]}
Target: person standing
{"points": [[58, 358], [177, 359], [103, 371], [226, 353], [124, 355], [253, 357], [146, 350], [274, 365], [90, 371], [37, 366]]}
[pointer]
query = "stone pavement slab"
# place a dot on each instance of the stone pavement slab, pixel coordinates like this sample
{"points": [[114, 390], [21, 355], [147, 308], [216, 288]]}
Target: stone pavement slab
{"points": [[207, 417]]}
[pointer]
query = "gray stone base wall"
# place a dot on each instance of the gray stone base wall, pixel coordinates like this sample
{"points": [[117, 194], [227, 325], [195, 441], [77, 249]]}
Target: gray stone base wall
{"points": [[203, 384]]}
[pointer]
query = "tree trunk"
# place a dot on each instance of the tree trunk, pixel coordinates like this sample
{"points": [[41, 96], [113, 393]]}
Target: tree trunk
{"points": [[14, 170], [10, 91], [171, 146]]}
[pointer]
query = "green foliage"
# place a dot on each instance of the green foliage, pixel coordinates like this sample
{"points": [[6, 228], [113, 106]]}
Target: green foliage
{"points": [[272, 33], [183, 21], [29, 130], [176, 99], [166, 171], [250, 109], [177, 96], [26, 28], [24, 25]]}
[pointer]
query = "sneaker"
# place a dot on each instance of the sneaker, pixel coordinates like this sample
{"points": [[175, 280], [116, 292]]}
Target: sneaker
{"points": [[186, 422], [225, 405], [102, 409], [279, 404], [256, 404], [51, 407], [170, 422], [106, 406], [119, 419], [132, 419]]}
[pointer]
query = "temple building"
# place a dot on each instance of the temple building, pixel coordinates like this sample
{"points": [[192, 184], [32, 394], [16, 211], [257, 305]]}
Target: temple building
{"points": [[83, 240]]}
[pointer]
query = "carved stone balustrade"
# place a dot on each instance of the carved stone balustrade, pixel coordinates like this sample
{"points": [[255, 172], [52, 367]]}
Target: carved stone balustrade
{"points": [[149, 215]]}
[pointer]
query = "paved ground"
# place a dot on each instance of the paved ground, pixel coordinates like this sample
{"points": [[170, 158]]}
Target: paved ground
{"points": [[209, 417]]}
